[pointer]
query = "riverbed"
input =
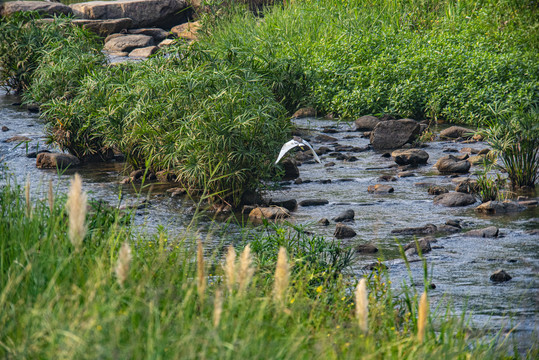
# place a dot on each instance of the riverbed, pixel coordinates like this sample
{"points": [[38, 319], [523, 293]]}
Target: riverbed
{"points": [[459, 266]]}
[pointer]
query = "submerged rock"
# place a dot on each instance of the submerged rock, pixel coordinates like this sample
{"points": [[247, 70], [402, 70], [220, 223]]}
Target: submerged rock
{"points": [[488, 232], [410, 157], [56, 160], [366, 249], [452, 164], [313, 202], [454, 199], [346, 215], [426, 229], [342, 231], [500, 276], [394, 134], [380, 189]]}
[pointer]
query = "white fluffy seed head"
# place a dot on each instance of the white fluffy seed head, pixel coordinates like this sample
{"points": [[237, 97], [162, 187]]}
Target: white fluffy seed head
{"points": [[246, 270], [230, 268], [362, 305], [282, 275], [217, 307], [76, 208], [123, 263]]}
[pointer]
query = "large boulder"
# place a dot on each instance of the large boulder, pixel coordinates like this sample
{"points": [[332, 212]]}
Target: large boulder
{"points": [[394, 134], [455, 132], [161, 13], [454, 199], [451, 164], [56, 160], [104, 27], [127, 43], [366, 123], [410, 157], [42, 7]]}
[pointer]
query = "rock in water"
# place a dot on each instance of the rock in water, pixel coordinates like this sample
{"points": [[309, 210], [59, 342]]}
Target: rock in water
{"points": [[56, 160], [500, 276], [366, 123], [498, 207], [366, 249], [343, 232], [346, 215], [453, 199], [455, 132], [394, 134], [270, 213], [380, 189], [451, 164], [488, 232], [410, 157]]}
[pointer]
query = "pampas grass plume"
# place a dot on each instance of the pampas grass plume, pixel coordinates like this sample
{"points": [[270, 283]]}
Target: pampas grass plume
{"points": [[123, 263], [246, 270], [27, 196], [217, 307], [422, 316], [76, 208], [230, 268], [362, 305], [51, 196], [282, 275], [201, 276]]}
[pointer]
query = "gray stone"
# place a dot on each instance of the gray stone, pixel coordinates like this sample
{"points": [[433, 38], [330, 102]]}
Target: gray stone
{"points": [[455, 132], [291, 170], [488, 232], [498, 207], [343, 232], [452, 164], [346, 215], [437, 190], [427, 229], [289, 205], [323, 222], [270, 213], [394, 134], [454, 199], [500, 276], [56, 160], [42, 7], [366, 249], [104, 27], [410, 157], [366, 123], [127, 43], [157, 34], [144, 13], [423, 244], [468, 186], [144, 52], [448, 229], [304, 112], [380, 189], [313, 202]]}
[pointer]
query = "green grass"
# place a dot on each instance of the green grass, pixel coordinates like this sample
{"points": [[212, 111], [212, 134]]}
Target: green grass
{"points": [[59, 302]]}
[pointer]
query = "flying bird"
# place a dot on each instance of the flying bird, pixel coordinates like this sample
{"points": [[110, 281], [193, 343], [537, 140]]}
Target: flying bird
{"points": [[296, 141]]}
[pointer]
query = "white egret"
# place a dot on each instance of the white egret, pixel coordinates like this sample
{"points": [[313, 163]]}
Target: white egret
{"points": [[296, 141]]}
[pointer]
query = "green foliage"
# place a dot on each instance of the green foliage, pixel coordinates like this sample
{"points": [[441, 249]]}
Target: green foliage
{"points": [[423, 59], [514, 137], [215, 126], [61, 303], [47, 56]]}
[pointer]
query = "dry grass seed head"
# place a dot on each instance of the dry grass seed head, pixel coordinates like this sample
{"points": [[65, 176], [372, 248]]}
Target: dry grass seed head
{"points": [[123, 263], [76, 208], [362, 305], [282, 275], [201, 276], [230, 268], [422, 316], [246, 270]]}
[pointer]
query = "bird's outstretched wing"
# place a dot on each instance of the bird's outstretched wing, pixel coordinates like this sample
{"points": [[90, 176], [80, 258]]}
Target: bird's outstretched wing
{"points": [[287, 147], [312, 150]]}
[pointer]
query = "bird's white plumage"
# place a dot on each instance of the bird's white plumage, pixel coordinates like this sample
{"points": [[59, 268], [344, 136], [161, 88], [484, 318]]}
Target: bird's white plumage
{"points": [[292, 144]]}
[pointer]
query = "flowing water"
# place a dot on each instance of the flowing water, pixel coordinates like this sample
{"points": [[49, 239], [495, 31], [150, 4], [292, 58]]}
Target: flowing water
{"points": [[459, 266]]}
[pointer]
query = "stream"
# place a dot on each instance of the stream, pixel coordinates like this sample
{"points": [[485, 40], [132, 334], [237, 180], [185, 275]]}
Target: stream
{"points": [[459, 266]]}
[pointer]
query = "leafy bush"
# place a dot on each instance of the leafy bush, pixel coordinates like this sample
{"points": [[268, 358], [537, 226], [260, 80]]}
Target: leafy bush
{"points": [[48, 57], [215, 126], [515, 139]]}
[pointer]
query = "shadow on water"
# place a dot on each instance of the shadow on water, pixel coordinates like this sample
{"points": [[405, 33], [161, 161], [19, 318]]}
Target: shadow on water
{"points": [[460, 266]]}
